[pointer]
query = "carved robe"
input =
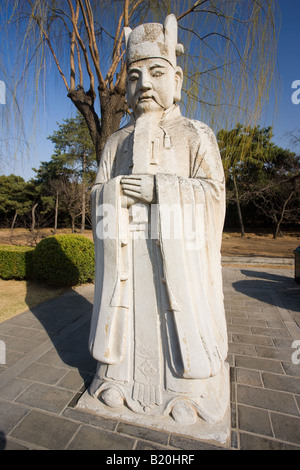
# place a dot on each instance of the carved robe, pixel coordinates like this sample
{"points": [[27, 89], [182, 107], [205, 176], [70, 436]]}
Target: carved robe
{"points": [[158, 327]]}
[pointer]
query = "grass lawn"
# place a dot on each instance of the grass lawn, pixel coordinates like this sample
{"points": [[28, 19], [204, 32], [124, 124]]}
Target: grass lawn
{"points": [[18, 296]]}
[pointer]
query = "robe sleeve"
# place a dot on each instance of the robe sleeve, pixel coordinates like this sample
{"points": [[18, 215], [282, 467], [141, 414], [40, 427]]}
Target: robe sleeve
{"points": [[110, 311], [192, 259]]}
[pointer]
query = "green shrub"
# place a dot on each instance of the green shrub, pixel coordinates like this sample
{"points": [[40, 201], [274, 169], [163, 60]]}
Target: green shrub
{"points": [[64, 260], [16, 262]]}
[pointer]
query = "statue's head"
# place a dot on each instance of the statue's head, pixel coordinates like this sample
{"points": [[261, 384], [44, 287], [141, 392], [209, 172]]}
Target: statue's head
{"points": [[153, 79]]}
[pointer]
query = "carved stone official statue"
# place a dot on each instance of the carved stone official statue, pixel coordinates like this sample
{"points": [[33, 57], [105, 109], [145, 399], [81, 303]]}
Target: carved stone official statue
{"points": [[158, 329]]}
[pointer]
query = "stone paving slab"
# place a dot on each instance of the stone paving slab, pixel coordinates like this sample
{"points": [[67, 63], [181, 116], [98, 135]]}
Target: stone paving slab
{"points": [[48, 367]]}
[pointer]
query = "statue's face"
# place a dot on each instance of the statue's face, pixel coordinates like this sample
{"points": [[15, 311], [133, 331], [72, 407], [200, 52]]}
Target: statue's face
{"points": [[152, 84]]}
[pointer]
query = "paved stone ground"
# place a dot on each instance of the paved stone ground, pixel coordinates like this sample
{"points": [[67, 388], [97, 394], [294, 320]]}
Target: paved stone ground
{"points": [[48, 366]]}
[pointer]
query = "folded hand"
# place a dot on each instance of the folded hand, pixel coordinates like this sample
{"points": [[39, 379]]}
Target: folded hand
{"points": [[140, 187]]}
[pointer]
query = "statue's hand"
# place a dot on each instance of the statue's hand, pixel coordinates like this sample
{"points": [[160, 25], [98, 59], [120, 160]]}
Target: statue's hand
{"points": [[140, 187]]}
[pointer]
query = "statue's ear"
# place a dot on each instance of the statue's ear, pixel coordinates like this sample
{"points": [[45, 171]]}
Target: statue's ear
{"points": [[178, 83], [127, 32]]}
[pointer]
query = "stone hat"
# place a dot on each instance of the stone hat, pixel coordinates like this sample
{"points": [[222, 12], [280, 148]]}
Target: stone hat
{"points": [[153, 40]]}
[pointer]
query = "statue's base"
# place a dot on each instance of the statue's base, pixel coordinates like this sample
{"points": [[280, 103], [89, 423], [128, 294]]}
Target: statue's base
{"points": [[211, 433]]}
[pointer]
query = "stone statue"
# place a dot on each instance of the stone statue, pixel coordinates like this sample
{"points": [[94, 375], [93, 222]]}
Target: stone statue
{"points": [[158, 329]]}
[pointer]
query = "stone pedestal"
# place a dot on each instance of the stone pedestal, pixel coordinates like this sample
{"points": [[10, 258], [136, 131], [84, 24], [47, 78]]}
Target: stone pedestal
{"points": [[210, 432]]}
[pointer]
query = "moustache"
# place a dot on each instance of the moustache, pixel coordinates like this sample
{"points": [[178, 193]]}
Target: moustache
{"points": [[148, 97]]}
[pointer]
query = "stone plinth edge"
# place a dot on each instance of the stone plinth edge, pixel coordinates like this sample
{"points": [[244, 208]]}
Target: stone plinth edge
{"points": [[211, 433]]}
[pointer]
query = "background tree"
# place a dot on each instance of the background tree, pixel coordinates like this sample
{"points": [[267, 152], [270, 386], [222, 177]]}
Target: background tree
{"points": [[276, 191], [228, 67], [293, 138], [19, 198], [244, 151], [71, 196], [50, 177], [14, 199], [74, 150], [260, 175]]}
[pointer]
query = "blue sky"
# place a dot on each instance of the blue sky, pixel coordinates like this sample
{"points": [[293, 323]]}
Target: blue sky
{"points": [[288, 114], [59, 107]]}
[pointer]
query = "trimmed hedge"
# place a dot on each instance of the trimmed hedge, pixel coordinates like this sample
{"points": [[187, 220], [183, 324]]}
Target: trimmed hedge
{"points": [[16, 262], [64, 260]]}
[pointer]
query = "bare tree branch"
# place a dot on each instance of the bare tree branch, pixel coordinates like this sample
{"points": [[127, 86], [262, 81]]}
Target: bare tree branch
{"points": [[92, 43], [72, 49], [40, 24], [84, 50], [190, 10]]}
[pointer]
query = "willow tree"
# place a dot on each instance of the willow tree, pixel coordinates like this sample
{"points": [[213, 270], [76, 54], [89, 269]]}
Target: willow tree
{"points": [[244, 151], [228, 65]]}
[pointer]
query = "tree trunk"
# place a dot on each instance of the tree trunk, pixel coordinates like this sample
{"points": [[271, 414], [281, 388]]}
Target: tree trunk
{"points": [[113, 108], [56, 213], [33, 217], [280, 219], [237, 200], [84, 102], [73, 223], [13, 223], [83, 194]]}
